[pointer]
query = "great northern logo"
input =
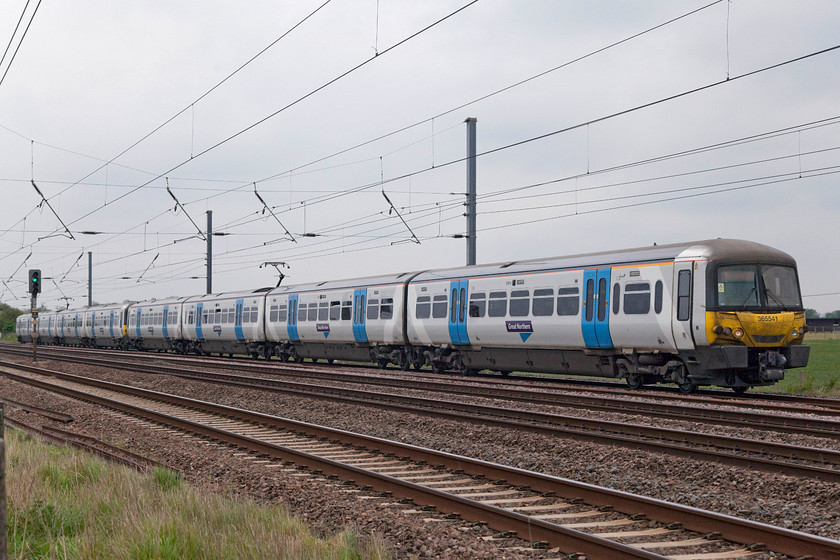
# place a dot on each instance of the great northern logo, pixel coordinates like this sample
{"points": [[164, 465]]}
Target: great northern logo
{"points": [[324, 328], [524, 328]]}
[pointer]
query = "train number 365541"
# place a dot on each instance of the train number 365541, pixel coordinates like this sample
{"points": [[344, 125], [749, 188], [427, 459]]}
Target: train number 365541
{"points": [[768, 318]]}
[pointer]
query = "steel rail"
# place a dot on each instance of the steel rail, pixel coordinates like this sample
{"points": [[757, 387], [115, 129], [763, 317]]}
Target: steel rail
{"points": [[778, 539], [498, 518], [611, 403], [634, 436]]}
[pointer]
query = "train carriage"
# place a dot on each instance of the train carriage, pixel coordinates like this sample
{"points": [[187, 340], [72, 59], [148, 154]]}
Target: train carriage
{"points": [[230, 323], [108, 325], [46, 328], [359, 320], [23, 328], [155, 325], [70, 329]]}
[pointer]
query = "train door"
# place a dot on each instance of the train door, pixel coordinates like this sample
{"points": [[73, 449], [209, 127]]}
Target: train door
{"points": [[359, 310], [681, 321], [458, 290], [595, 319], [164, 327], [237, 321], [292, 319], [199, 309]]}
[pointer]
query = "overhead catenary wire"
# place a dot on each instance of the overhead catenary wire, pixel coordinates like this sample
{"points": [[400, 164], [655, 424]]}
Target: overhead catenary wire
{"points": [[739, 141], [25, 31], [486, 96]]}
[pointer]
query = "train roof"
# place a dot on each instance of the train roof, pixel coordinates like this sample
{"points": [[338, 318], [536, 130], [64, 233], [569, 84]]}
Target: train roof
{"points": [[327, 285], [164, 301], [714, 250]]}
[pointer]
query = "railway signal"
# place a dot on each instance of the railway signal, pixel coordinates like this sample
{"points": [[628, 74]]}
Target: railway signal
{"points": [[34, 281], [34, 290]]}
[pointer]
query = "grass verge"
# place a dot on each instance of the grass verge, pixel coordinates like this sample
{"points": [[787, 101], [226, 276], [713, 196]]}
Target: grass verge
{"points": [[68, 505]]}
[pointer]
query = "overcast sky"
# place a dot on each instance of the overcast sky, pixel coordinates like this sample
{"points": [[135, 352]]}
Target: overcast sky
{"points": [[320, 139]]}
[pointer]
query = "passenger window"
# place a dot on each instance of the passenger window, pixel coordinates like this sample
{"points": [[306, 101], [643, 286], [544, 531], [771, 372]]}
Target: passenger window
{"points": [[637, 298], [272, 314], [568, 301], [312, 315], [684, 296], [281, 313], [497, 307], [453, 304], [387, 309], [346, 310], [255, 314], [462, 306], [423, 309], [603, 298], [657, 297], [335, 310], [373, 309], [478, 304], [587, 302], [301, 312], [323, 311], [520, 301], [439, 307], [543, 304]]}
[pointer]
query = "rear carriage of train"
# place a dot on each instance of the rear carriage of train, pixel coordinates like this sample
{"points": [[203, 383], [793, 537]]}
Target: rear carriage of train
{"points": [[227, 323], [155, 325], [357, 320], [23, 328]]}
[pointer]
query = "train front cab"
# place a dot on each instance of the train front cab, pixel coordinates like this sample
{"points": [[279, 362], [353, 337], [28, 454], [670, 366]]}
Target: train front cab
{"points": [[755, 322]]}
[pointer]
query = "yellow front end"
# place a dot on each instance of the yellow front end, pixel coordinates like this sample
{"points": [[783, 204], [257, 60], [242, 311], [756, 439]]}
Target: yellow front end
{"points": [[758, 330]]}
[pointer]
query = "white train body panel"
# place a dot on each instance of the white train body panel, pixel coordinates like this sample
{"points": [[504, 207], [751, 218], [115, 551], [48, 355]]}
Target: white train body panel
{"points": [[155, 324], [361, 311], [224, 320]]}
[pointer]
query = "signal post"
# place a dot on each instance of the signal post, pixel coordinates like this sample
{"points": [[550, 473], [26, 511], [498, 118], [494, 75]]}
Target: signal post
{"points": [[34, 290]]}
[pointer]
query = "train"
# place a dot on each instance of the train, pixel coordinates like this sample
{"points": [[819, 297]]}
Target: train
{"points": [[717, 312]]}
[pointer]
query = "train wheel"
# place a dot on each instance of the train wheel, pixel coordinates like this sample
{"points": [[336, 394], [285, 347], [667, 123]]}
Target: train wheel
{"points": [[740, 390], [634, 381], [686, 387], [438, 367], [504, 373]]}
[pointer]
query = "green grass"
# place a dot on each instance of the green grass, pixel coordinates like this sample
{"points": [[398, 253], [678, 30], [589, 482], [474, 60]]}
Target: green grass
{"points": [[822, 374], [63, 504]]}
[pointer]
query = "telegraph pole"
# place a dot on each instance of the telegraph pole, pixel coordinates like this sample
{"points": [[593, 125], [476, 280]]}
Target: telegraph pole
{"points": [[471, 188], [90, 279], [209, 251]]}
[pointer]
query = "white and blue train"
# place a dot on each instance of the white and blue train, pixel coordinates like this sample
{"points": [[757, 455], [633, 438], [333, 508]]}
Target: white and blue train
{"points": [[716, 312]]}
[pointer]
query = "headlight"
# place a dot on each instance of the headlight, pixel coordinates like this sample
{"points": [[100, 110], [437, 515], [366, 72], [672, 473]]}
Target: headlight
{"points": [[795, 333], [727, 331], [738, 333], [718, 329]]}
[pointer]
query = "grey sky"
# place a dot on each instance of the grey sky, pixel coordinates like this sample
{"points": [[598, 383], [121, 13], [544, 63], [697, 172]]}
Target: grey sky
{"points": [[92, 78]]}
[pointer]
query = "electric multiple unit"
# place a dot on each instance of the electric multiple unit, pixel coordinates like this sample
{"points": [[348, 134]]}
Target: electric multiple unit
{"points": [[716, 312]]}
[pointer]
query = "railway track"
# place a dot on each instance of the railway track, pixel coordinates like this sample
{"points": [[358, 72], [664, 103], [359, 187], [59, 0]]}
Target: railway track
{"points": [[762, 455], [752, 400], [546, 511], [687, 411], [611, 392]]}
